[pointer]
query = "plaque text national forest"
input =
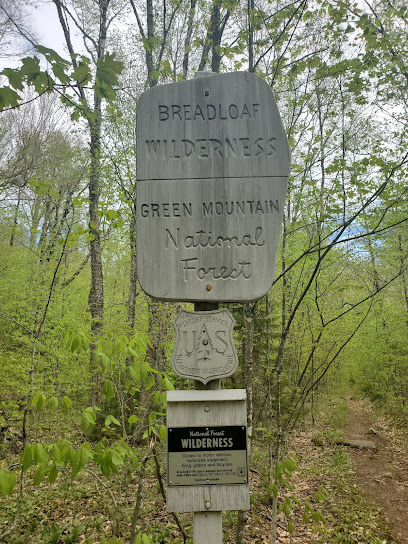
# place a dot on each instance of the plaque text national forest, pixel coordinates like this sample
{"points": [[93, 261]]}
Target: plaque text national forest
{"points": [[212, 168]]}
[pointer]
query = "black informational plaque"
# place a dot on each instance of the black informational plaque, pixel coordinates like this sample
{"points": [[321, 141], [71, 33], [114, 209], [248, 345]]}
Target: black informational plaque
{"points": [[207, 455]]}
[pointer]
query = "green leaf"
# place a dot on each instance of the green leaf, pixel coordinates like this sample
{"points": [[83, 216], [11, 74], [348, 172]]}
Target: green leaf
{"points": [[168, 384], [52, 403], [108, 389], [41, 402], [291, 528], [53, 475], [79, 461], [104, 361], [39, 476], [7, 482], [60, 73], [132, 352], [107, 71], [318, 517], [150, 383], [75, 344], [15, 77], [111, 419], [34, 400], [133, 374], [286, 484], [133, 419], [8, 98], [27, 458], [163, 433], [88, 419], [30, 65], [35, 76], [68, 454], [51, 55], [40, 455], [117, 459], [66, 403], [143, 372], [106, 463], [82, 72]]}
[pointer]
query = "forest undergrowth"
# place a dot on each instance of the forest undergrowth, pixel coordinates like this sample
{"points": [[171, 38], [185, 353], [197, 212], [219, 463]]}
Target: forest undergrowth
{"points": [[320, 503]]}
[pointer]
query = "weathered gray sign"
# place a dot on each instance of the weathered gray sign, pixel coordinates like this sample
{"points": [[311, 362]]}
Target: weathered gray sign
{"points": [[212, 168], [207, 467], [204, 348], [207, 455]]}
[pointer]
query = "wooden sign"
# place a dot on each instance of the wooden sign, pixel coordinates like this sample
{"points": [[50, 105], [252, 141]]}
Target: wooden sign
{"points": [[212, 167], [207, 468], [204, 349]]}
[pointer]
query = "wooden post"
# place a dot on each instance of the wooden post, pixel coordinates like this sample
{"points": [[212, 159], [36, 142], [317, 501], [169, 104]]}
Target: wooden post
{"points": [[220, 143], [207, 526]]}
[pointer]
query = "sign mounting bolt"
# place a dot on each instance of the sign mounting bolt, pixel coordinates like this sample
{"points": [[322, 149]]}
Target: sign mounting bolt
{"points": [[208, 287], [208, 504], [206, 408]]}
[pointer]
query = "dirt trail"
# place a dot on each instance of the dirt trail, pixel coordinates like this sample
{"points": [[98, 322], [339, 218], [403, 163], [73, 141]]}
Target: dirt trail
{"points": [[381, 472]]}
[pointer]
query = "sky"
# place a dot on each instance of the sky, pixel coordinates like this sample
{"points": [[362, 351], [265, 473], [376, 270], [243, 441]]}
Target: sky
{"points": [[45, 23], [44, 20], [46, 30]]}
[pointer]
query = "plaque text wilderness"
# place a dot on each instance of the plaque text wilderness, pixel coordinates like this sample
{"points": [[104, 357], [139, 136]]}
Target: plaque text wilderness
{"points": [[212, 173], [210, 455]]}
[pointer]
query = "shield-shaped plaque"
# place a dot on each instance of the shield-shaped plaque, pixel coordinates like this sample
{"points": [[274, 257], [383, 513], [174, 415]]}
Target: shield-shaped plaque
{"points": [[204, 348]]}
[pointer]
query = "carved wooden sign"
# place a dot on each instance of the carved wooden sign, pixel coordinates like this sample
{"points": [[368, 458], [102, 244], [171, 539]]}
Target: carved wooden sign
{"points": [[212, 166], [204, 348]]}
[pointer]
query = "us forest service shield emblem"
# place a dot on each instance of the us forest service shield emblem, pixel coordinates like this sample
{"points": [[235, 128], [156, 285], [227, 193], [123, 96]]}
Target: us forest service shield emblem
{"points": [[204, 348]]}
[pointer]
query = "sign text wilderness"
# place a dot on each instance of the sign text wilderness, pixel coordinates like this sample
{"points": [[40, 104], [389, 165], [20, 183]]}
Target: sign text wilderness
{"points": [[211, 187], [209, 148]]}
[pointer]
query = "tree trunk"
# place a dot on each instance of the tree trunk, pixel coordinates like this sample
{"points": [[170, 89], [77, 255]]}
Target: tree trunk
{"points": [[278, 370], [96, 298], [248, 365], [131, 306], [187, 41], [15, 219]]}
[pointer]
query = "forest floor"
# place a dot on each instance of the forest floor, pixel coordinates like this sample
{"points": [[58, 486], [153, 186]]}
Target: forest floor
{"points": [[381, 472], [337, 494]]}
